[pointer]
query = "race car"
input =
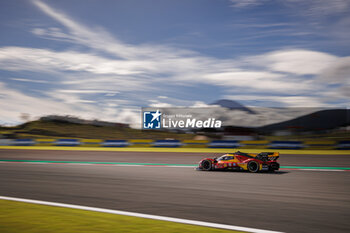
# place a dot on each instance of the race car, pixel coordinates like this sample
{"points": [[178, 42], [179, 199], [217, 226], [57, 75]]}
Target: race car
{"points": [[264, 161]]}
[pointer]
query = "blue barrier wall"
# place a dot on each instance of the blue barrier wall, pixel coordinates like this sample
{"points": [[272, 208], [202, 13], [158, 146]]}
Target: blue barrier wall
{"points": [[67, 142], [286, 145], [343, 145], [115, 143], [23, 142], [224, 144], [340, 145], [167, 143]]}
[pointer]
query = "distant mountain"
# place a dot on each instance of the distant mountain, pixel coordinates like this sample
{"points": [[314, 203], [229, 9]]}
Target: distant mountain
{"points": [[320, 120], [76, 120], [232, 105]]}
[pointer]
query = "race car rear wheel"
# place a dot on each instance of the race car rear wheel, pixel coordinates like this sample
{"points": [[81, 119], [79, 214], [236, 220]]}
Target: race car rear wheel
{"points": [[206, 165], [274, 167], [253, 166]]}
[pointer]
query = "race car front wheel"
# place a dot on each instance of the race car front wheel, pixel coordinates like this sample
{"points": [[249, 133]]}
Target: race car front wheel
{"points": [[206, 165], [253, 166]]}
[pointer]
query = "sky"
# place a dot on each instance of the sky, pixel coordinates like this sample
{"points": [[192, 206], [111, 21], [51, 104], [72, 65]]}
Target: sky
{"points": [[101, 59]]}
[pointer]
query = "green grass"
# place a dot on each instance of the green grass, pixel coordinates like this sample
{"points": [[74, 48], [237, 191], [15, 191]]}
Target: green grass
{"points": [[180, 149], [33, 218]]}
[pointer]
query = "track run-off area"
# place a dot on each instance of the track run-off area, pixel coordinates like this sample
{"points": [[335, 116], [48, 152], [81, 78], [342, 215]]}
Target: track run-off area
{"points": [[309, 194]]}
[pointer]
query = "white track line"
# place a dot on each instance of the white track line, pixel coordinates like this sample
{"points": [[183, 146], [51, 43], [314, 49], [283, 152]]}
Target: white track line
{"points": [[133, 214]]}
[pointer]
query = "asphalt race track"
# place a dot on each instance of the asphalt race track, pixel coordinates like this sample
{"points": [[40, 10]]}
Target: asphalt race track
{"points": [[288, 201]]}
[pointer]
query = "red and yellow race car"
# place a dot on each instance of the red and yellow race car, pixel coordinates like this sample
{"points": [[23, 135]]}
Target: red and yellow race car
{"points": [[264, 161]]}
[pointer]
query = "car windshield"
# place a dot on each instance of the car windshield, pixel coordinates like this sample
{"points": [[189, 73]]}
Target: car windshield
{"points": [[241, 153], [225, 157]]}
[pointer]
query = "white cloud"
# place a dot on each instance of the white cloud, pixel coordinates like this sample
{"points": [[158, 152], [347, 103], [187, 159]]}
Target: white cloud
{"points": [[257, 80], [287, 101], [113, 83], [275, 72], [18, 58], [129, 116], [200, 104], [136, 68], [29, 80], [299, 62], [91, 37], [13, 103], [160, 105], [88, 91], [338, 72], [185, 66], [246, 3], [52, 33], [308, 8], [319, 7], [123, 75]]}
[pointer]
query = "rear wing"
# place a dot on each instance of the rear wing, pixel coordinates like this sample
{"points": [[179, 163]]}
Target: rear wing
{"points": [[268, 156], [264, 156]]}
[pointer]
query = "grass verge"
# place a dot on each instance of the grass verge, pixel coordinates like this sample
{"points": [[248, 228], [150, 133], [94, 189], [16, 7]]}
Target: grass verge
{"points": [[25, 217], [180, 149]]}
